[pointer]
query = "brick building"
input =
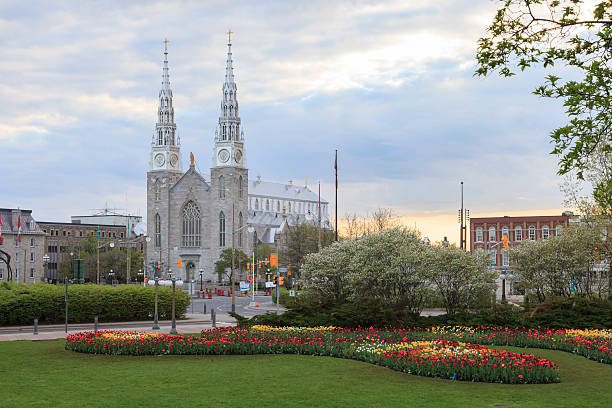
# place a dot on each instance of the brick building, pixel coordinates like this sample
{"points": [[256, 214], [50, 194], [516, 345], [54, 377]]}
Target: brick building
{"points": [[486, 234]]}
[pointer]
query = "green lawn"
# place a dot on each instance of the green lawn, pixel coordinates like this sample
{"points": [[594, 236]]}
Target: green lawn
{"points": [[42, 374]]}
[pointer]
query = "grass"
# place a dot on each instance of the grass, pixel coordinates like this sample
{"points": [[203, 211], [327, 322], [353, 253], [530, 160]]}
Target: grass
{"points": [[42, 374]]}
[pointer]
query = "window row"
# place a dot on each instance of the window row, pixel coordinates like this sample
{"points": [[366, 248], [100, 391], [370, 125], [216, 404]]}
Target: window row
{"points": [[492, 235], [273, 205]]}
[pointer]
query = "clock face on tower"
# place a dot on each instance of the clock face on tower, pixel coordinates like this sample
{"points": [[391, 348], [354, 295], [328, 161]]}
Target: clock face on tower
{"points": [[159, 160], [238, 156], [173, 160], [224, 155]]}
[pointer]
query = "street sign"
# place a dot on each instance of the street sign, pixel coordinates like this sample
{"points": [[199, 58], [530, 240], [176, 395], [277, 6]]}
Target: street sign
{"points": [[292, 293], [282, 270], [244, 285], [270, 284]]}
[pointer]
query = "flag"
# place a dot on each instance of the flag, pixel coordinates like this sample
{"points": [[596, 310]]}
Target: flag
{"points": [[19, 227], [336, 168]]}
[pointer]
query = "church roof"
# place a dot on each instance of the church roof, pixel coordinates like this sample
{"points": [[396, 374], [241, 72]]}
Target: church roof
{"points": [[282, 191]]}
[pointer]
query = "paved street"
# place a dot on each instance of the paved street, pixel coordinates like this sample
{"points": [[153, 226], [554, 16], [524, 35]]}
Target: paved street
{"points": [[195, 320]]}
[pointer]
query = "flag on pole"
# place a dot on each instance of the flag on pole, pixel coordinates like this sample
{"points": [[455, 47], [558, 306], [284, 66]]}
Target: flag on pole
{"points": [[19, 227], [336, 168]]}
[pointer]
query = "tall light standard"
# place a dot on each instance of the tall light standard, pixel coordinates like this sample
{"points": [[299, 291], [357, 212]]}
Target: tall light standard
{"points": [[173, 329], [110, 244], [502, 276], [155, 321], [201, 276]]}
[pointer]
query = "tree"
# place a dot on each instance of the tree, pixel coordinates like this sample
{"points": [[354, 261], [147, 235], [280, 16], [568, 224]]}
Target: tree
{"points": [[301, 240], [382, 219], [457, 276], [561, 265], [224, 265], [529, 33]]}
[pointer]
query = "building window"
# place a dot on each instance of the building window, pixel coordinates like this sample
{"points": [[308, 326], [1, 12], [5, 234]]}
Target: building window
{"points": [[559, 228], [221, 229], [32, 226], [80, 233], [32, 242], [17, 257], [267, 205], [505, 259], [17, 242], [505, 232], [532, 235], [1, 273], [518, 234], [492, 257], [157, 190], [289, 207], [545, 232], [221, 187], [191, 225], [492, 234], [32, 273], [479, 234], [240, 230], [278, 206], [240, 186], [32, 256], [256, 204], [157, 231], [64, 232]]}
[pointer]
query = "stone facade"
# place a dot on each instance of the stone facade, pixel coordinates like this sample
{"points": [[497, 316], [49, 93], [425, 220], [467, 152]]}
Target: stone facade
{"points": [[25, 256]]}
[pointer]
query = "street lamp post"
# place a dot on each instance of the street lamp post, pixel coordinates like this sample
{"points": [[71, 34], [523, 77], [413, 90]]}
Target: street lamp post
{"points": [[201, 276], [155, 322], [502, 276], [46, 259], [112, 245], [111, 276], [173, 329]]}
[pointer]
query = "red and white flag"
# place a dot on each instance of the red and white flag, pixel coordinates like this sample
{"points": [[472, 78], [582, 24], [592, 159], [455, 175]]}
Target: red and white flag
{"points": [[19, 226]]}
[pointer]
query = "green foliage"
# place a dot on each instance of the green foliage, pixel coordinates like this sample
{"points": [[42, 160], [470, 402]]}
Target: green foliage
{"points": [[548, 267], [301, 240], [21, 304], [224, 265], [529, 33], [578, 313], [395, 267]]}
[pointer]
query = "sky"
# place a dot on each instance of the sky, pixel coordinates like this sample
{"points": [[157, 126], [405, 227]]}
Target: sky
{"points": [[389, 84]]}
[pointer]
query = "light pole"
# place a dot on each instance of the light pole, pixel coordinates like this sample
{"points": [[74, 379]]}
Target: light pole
{"points": [[111, 276], [109, 243], [502, 276], [201, 276], [155, 322], [173, 329], [72, 266], [46, 259]]}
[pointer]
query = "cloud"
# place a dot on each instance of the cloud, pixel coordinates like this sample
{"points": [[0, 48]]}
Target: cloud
{"points": [[388, 84]]}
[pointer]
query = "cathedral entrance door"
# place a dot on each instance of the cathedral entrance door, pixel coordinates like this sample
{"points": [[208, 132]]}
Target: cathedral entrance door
{"points": [[190, 271]]}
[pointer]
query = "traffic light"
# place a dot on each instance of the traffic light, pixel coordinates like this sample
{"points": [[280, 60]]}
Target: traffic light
{"points": [[248, 266], [274, 280], [281, 280], [505, 244], [273, 259], [178, 264], [158, 265]]}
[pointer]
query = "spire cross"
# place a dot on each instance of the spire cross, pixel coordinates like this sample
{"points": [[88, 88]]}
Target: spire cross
{"points": [[229, 36]]}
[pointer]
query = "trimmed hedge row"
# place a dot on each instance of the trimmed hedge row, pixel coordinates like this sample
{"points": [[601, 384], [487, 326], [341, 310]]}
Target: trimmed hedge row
{"points": [[21, 304], [576, 313]]}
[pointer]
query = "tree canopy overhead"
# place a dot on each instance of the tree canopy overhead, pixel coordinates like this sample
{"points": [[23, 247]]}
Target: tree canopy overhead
{"points": [[547, 33]]}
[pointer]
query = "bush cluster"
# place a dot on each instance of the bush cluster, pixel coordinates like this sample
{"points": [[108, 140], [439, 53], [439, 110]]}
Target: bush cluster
{"points": [[21, 304], [575, 313]]}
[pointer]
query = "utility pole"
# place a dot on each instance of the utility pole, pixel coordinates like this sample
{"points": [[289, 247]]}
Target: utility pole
{"points": [[128, 277], [319, 215], [233, 267]]}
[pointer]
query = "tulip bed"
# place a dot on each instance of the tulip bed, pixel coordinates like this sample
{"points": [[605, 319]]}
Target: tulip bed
{"points": [[451, 353]]}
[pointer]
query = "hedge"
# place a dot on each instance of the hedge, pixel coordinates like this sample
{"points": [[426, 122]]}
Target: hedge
{"points": [[21, 304]]}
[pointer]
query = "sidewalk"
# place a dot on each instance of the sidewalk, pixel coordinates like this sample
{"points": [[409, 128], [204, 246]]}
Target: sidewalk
{"points": [[191, 324]]}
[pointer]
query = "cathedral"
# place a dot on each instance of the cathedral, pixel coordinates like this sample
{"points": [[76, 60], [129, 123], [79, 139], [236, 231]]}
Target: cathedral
{"points": [[191, 219]]}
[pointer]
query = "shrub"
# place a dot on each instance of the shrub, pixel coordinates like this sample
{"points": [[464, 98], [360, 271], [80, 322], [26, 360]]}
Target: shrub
{"points": [[21, 304]]}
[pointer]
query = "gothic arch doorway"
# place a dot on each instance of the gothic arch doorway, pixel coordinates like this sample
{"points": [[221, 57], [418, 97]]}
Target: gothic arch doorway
{"points": [[189, 272]]}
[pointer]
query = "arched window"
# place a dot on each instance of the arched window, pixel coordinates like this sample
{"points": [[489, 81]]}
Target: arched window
{"points": [[267, 205], [505, 232], [221, 187], [532, 235], [221, 229], [545, 232], [479, 234], [157, 190], [160, 139], [492, 234], [559, 228], [289, 207], [191, 225], [518, 234], [240, 230], [256, 204], [157, 231], [240, 186]]}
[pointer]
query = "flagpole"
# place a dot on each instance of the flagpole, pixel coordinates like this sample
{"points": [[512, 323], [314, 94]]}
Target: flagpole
{"points": [[319, 215], [336, 168]]}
